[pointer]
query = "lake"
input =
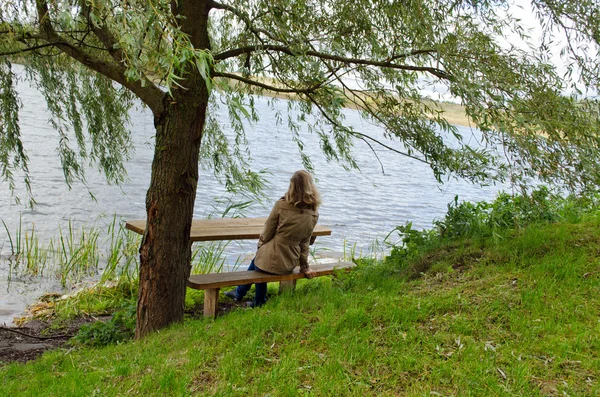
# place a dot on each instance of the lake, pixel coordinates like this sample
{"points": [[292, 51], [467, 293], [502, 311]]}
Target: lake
{"points": [[360, 207]]}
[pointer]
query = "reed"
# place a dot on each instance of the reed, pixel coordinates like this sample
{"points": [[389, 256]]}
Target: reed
{"points": [[79, 254], [108, 251], [211, 257], [104, 251], [9, 236], [34, 257], [26, 255], [122, 252]]}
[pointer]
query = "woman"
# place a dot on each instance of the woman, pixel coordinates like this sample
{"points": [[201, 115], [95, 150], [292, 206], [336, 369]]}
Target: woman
{"points": [[283, 243]]}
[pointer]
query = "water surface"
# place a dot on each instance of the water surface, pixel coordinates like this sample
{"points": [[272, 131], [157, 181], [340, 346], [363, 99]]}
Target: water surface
{"points": [[359, 207]]}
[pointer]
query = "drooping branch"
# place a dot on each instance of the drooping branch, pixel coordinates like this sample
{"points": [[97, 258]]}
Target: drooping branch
{"points": [[150, 94], [374, 154], [267, 86], [360, 99], [246, 19], [364, 137], [27, 49], [360, 135], [337, 58]]}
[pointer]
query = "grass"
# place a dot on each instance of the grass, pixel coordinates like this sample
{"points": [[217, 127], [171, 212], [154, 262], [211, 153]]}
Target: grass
{"points": [[511, 316]]}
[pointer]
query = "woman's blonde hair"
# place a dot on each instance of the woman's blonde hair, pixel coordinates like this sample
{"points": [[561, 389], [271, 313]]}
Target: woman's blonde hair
{"points": [[302, 191]]}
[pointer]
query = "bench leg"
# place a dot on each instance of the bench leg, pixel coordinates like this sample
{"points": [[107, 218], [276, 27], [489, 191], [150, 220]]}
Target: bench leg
{"points": [[211, 302], [288, 285]]}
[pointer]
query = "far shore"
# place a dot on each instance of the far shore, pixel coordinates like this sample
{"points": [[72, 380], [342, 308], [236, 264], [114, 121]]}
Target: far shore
{"points": [[454, 113]]}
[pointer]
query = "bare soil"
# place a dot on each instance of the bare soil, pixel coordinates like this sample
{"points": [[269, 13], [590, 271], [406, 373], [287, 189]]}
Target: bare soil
{"points": [[32, 339], [28, 342]]}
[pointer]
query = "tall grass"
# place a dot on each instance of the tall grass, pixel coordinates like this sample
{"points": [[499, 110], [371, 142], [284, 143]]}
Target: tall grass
{"points": [[210, 257], [25, 251], [78, 252], [106, 251], [74, 254], [485, 220], [109, 251], [122, 252]]}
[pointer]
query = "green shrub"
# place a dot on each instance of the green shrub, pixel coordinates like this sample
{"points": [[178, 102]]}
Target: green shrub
{"points": [[467, 220], [119, 328], [411, 242]]}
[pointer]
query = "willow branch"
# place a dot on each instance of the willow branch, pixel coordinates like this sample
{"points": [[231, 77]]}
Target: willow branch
{"points": [[360, 134], [337, 58], [149, 94], [245, 18], [267, 86], [27, 49], [365, 136], [358, 96], [375, 154]]}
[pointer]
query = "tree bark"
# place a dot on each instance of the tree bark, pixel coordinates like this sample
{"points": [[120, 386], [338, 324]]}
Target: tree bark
{"points": [[165, 252]]}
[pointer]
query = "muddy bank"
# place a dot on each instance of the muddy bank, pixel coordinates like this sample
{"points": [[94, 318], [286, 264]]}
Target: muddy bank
{"points": [[31, 340]]}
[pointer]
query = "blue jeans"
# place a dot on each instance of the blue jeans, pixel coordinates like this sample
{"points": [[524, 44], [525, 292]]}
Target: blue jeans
{"points": [[260, 294]]}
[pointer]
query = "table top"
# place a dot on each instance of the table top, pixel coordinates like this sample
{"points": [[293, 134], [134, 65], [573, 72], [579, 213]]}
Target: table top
{"points": [[224, 229]]}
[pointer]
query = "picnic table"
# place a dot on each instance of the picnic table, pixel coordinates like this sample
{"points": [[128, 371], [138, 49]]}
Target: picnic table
{"points": [[226, 229], [239, 229]]}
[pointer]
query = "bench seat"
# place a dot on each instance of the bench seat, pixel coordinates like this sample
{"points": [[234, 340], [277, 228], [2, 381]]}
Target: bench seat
{"points": [[212, 282]]}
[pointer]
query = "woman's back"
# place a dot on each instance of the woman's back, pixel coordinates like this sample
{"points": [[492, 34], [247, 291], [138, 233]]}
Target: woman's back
{"points": [[284, 242]]}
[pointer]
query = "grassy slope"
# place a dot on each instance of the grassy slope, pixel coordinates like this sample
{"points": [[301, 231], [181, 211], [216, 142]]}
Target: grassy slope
{"points": [[519, 316]]}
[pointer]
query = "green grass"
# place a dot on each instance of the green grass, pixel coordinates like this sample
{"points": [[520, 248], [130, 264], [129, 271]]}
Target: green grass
{"points": [[510, 316]]}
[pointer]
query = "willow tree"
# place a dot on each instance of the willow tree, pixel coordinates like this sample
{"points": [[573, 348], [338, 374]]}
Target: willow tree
{"points": [[91, 59]]}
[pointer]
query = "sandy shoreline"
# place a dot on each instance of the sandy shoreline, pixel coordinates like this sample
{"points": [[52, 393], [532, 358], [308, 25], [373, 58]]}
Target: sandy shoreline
{"points": [[454, 113]]}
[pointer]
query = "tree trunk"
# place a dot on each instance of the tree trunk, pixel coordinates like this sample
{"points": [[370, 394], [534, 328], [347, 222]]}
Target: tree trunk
{"points": [[165, 253]]}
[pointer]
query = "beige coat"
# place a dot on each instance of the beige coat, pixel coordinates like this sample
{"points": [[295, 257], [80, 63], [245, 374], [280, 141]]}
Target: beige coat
{"points": [[283, 243]]}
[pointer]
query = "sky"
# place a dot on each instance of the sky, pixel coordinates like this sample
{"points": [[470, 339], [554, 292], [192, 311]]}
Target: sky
{"points": [[524, 11]]}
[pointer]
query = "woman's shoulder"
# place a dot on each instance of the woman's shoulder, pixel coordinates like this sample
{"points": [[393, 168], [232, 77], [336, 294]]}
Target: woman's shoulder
{"points": [[281, 203], [284, 205]]}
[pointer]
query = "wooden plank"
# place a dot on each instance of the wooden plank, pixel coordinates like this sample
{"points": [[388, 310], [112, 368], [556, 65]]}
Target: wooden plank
{"points": [[224, 229], [218, 280], [211, 302]]}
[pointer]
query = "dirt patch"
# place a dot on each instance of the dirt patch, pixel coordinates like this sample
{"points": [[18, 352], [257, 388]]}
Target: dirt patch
{"points": [[31, 340]]}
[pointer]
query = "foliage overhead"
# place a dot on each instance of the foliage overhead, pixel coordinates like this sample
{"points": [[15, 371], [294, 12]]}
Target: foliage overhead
{"points": [[537, 120]]}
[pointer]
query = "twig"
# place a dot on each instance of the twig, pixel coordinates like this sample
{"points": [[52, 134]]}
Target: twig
{"points": [[36, 337]]}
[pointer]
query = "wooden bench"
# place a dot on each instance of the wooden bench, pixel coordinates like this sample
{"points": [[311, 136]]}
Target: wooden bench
{"points": [[239, 229], [212, 283]]}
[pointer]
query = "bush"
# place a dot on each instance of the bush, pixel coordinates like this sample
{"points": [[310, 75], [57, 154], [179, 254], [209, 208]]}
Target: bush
{"points": [[411, 242], [119, 328], [507, 212]]}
